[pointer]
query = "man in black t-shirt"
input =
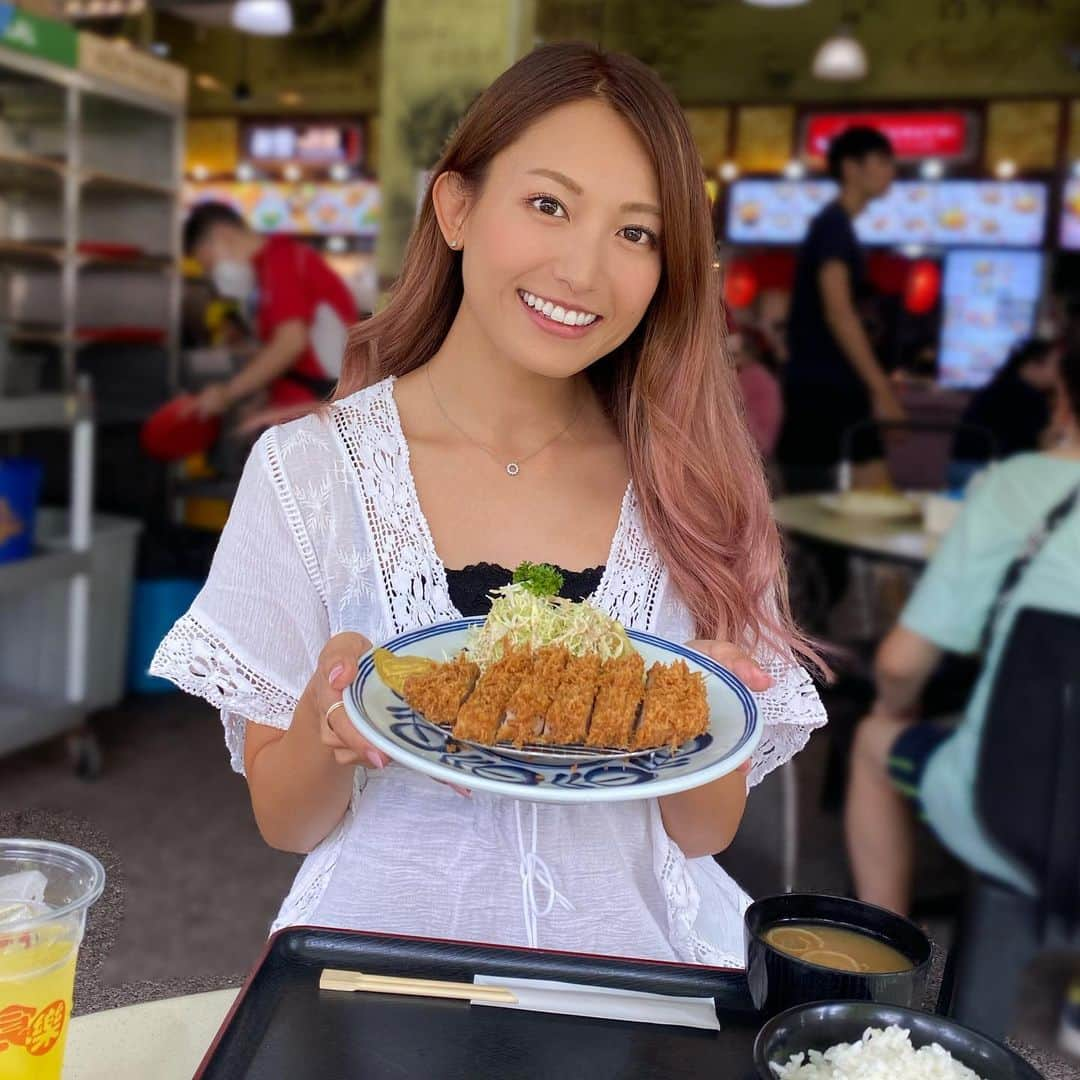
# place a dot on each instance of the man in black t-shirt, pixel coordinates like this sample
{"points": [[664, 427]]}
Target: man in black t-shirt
{"points": [[833, 379]]}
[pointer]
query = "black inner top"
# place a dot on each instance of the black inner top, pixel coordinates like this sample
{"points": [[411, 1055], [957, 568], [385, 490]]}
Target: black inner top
{"points": [[469, 587]]}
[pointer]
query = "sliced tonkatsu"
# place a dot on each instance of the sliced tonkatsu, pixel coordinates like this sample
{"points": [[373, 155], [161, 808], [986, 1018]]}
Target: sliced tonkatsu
{"points": [[568, 716], [438, 694], [548, 697], [523, 721], [675, 708], [479, 718], [622, 683]]}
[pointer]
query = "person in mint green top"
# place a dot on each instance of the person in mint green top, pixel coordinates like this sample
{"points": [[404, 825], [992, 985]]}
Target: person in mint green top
{"points": [[898, 761]]}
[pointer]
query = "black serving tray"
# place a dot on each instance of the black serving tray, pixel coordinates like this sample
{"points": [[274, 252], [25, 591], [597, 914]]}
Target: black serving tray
{"points": [[283, 1027]]}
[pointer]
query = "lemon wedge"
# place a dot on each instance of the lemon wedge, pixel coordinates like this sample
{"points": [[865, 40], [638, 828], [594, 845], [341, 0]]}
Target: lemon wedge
{"points": [[831, 959], [793, 939]]}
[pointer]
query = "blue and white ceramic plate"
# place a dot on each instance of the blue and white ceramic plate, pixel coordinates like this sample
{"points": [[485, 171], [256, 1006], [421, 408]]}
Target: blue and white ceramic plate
{"points": [[384, 719]]}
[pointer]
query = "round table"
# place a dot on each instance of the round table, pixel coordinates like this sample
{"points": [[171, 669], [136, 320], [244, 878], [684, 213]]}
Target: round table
{"points": [[163, 1039], [903, 541]]}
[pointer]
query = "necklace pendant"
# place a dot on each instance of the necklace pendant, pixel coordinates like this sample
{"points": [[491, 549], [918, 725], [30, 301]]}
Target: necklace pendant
{"points": [[512, 469]]}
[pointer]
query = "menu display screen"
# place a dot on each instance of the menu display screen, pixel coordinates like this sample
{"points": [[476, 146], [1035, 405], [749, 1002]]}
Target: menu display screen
{"points": [[1070, 216], [991, 300], [947, 213], [313, 144], [346, 209]]}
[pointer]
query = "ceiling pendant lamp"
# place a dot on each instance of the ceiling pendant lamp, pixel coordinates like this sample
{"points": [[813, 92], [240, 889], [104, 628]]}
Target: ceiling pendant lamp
{"points": [[270, 18], [841, 58]]}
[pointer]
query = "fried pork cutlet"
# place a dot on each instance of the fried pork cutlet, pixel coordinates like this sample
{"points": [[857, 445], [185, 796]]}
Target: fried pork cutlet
{"points": [[568, 715], [622, 682], [675, 708], [481, 715], [525, 711], [437, 695]]}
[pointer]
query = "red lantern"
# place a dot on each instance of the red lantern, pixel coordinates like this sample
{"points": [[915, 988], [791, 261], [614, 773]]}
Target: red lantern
{"points": [[923, 287], [740, 285]]}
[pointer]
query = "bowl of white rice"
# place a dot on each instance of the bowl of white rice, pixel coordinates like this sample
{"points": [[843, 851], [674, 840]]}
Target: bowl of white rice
{"points": [[866, 1040]]}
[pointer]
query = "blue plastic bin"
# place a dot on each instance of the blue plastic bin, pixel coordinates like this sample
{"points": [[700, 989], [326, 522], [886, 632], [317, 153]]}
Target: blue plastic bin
{"points": [[20, 488], [157, 605]]}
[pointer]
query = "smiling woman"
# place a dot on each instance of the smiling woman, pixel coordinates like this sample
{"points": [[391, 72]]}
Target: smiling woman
{"points": [[621, 233], [547, 383]]}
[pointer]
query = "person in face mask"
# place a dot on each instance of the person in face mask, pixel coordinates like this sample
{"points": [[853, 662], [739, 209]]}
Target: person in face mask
{"points": [[300, 308]]}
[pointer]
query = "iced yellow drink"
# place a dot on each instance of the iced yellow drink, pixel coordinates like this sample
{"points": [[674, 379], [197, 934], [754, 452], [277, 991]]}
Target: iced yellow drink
{"points": [[37, 973], [41, 927]]}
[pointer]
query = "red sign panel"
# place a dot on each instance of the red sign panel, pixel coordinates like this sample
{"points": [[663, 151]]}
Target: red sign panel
{"points": [[914, 135]]}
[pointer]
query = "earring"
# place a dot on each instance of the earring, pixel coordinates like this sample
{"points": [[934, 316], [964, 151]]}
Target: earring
{"points": [[454, 244]]}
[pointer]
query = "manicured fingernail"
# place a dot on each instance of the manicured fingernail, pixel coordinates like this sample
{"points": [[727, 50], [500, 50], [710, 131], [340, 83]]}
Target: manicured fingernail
{"points": [[335, 671], [376, 759]]}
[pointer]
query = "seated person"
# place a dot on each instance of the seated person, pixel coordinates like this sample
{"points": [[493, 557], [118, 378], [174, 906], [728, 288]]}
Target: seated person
{"points": [[760, 387], [1016, 544], [1014, 407]]}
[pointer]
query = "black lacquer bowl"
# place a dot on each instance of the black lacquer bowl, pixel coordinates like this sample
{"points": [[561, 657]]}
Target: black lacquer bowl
{"points": [[777, 981], [826, 1023]]}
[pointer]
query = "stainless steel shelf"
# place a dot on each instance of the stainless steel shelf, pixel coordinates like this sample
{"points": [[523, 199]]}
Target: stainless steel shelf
{"points": [[37, 252], [28, 171], [105, 137], [106, 181], [36, 411], [41, 568], [34, 334], [29, 251], [135, 263]]}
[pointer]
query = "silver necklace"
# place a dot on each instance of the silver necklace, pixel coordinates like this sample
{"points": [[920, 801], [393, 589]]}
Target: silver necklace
{"points": [[512, 467]]}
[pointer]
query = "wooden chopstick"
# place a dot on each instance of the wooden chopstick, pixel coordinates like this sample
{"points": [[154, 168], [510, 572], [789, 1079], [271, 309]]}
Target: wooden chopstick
{"points": [[337, 979]]}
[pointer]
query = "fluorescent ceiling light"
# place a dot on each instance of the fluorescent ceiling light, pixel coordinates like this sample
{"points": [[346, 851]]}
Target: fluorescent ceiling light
{"points": [[775, 3], [269, 17], [841, 58]]}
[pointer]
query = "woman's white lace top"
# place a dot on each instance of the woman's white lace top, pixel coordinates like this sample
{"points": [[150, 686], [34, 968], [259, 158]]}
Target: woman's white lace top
{"points": [[326, 534]]}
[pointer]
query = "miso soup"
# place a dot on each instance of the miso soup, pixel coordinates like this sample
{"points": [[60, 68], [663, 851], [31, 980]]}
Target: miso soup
{"points": [[837, 947]]}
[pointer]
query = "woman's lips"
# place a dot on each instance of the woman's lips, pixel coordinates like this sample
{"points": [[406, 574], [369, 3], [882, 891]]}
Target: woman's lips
{"points": [[557, 328]]}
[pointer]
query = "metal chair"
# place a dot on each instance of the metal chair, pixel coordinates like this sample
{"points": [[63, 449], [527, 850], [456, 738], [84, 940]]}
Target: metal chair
{"points": [[1028, 800], [789, 852]]}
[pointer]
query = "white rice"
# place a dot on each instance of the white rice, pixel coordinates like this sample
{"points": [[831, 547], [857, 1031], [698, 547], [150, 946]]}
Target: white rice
{"points": [[879, 1055]]}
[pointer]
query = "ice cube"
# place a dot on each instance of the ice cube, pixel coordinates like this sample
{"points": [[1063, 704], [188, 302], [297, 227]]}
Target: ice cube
{"points": [[17, 911], [22, 896]]}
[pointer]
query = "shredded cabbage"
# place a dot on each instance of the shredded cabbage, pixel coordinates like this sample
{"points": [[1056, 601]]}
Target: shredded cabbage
{"points": [[519, 617]]}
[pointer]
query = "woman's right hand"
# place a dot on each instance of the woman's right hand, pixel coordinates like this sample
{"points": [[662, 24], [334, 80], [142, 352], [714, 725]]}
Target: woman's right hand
{"points": [[335, 671]]}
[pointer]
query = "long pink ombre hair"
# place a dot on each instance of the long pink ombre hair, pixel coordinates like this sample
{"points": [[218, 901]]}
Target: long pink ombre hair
{"points": [[669, 387]]}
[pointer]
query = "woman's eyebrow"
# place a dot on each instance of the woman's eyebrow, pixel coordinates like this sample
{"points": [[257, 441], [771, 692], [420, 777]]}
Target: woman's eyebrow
{"points": [[576, 188]]}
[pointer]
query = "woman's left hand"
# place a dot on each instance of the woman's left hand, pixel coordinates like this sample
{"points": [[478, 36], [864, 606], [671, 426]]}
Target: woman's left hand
{"points": [[739, 663]]}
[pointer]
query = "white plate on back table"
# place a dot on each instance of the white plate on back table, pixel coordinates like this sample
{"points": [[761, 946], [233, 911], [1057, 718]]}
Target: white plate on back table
{"points": [[385, 720]]}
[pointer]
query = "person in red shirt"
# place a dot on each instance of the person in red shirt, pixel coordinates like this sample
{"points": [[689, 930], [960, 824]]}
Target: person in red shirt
{"points": [[301, 310]]}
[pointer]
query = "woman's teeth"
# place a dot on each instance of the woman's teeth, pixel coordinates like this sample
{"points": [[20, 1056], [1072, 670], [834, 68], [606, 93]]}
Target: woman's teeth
{"points": [[556, 313]]}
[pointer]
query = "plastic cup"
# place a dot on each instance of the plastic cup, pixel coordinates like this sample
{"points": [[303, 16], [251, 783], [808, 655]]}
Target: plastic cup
{"points": [[40, 933]]}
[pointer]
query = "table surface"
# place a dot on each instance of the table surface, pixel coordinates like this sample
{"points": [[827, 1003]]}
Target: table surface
{"points": [[163, 1039], [167, 1039], [901, 541]]}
